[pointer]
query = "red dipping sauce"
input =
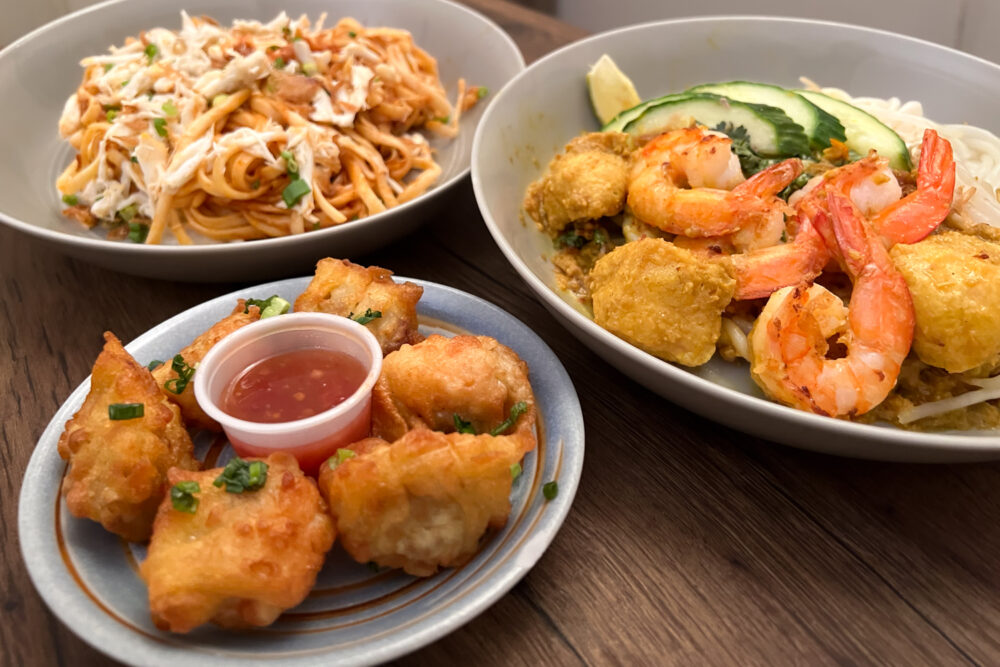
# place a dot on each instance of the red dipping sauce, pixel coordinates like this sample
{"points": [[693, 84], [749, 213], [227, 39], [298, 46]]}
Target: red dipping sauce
{"points": [[293, 385]]}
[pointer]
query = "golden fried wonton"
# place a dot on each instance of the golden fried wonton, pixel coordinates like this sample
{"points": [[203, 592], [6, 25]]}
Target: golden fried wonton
{"points": [[342, 288], [428, 384], [118, 468], [239, 559], [424, 501], [194, 416]]}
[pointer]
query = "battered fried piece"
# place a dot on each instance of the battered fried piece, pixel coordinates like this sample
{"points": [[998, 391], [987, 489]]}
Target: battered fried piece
{"points": [[422, 502], [241, 558], [194, 416], [474, 377], [952, 278], [118, 468], [588, 181], [662, 299], [342, 288]]}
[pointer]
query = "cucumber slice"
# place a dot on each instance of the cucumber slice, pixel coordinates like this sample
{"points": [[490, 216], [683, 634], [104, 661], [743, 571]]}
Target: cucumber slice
{"points": [[818, 125], [618, 123], [772, 132], [864, 131]]}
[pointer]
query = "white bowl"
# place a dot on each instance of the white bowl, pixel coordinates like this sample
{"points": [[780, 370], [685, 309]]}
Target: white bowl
{"points": [[547, 104], [40, 70]]}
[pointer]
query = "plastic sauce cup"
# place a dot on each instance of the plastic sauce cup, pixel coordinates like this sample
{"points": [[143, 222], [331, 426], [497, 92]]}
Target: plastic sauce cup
{"points": [[311, 440]]}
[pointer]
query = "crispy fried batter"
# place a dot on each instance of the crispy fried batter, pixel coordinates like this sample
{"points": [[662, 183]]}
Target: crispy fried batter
{"points": [[952, 278], [342, 288], [118, 468], [241, 558], [662, 299], [194, 416], [474, 377], [424, 501], [588, 181]]}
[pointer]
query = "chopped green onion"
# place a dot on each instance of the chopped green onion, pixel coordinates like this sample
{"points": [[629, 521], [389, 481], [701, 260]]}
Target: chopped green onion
{"points": [[516, 411], [219, 99], [515, 471], [118, 411], [154, 364], [151, 51], [338, 458], [601, 237], [279, 62], [160, 125], [461, 425], [239, 475], [110, 114], [273, 47], [367, 317], [70, 200], [316, 225], [169, 108], [125, 82], [550, 490], [128, 212], [295, 191], [255, 184], [184, 372], [571, 239], [443, 119], [291, 166], [482, 92], [784, 236], [137, 232], [309, 69], [286, 31], [297, 38], [351, 33], [182, 496], [134, 159], [107, 67], [269, 307]]}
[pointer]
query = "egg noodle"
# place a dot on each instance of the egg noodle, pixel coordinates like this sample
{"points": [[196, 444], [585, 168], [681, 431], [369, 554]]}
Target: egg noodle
{"points": [[258, 130], [977, 151]]}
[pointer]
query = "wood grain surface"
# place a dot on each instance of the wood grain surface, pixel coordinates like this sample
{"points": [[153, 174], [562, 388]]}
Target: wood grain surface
{"points": [[688, 543]]}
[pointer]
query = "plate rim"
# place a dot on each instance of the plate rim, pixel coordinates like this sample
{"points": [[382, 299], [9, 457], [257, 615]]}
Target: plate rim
{"points": [[923, 443], [34, 502], [141, 250]]}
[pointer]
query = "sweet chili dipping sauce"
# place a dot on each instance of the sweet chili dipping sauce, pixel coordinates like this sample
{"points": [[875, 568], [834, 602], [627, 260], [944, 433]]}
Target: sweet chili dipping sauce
{"points": [[293, 385]]}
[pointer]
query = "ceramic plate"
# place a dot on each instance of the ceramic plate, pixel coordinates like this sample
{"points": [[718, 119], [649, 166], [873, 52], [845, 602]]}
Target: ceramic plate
{"points": [[547, 105], [40, 70], [354, 615]]}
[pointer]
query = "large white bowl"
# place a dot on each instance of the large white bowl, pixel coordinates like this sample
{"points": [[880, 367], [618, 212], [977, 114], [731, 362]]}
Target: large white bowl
{"points": [[547, 104], [39, 71]]}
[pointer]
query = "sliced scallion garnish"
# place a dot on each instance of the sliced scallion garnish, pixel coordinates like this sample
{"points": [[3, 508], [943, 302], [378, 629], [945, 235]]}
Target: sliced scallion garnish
{"points": [[368, 316], [295, 191], [279, 63], [461, 425], [338, 458], [239, 475], [550, 490], [515, 471], [151, 51], [119, 411], [70, 200], [182, 496], [160, 125], [169, 108], [291, 166], [137, 232], [516, 411]]}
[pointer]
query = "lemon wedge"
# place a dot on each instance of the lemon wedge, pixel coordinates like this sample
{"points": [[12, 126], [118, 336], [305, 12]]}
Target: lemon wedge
{"points": [[611, 92]]}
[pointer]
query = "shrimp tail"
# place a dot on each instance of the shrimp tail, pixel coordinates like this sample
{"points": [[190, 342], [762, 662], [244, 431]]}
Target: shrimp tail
{"points": [[762, 272], [919, 213]]}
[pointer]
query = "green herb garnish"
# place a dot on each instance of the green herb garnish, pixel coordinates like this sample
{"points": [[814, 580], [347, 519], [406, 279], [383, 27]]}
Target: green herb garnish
{"points": [[295, 191], [239, 475], [750, 162], [291, 166], [784, 236], [160, 125], [151, 51], [70, 200], [119, 411], [516, 411], [515, 471], [137, 232], [154, 364], [128, 212], [107, 67], [279, 62], [110, 114], [255, 184], [482, 92], [570, 239], [269, 307], [338, 458], [351, 33], [462, 426], [169, 108], [367, 317], [309, 69], [601, 237], [184, 372], [273, 47], [550, 490], [134, 159], [443, 119], [182, 496]]}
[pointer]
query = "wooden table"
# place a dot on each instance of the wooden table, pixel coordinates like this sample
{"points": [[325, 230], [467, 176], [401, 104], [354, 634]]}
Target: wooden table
{"points": [[687, 543]]}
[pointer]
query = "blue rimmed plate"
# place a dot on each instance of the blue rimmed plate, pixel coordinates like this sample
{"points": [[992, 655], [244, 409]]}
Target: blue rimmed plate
{"points": [[354, 615]]}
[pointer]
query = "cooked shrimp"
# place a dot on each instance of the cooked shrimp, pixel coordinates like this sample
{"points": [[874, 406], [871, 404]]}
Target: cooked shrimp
{"points": [[789, 339], [669, 188]]}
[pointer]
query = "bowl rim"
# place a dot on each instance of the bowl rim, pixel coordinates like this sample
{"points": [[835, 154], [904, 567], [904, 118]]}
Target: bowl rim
{"points": [[972, 443], [320, 235]]}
